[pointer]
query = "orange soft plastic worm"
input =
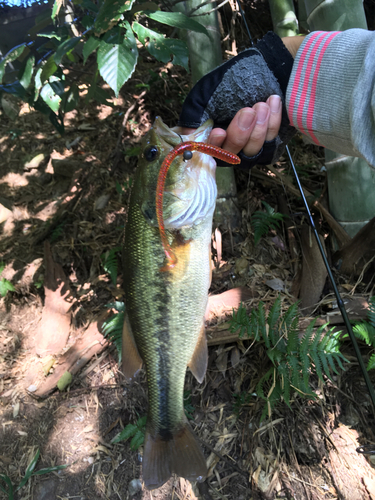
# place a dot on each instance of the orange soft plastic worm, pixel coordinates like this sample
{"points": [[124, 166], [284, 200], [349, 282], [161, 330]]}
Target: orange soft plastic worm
{"points": [[202, 147]]}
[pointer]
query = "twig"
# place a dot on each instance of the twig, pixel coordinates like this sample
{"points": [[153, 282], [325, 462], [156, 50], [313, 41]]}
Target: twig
{"points": [[234, 466]]}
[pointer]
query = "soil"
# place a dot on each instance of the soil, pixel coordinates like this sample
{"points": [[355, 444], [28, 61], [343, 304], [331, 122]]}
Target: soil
{"points": [[78, 204]]}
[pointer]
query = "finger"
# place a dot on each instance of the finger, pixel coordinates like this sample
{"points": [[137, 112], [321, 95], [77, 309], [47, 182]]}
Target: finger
{"points": [[258, 135], [239, 130], [217, 137], [274, 122]]}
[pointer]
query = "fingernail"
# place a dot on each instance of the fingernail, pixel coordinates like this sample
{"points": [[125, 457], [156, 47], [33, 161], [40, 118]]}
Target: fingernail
{"points": [[275, 103], [246, 119], [262, 114]]}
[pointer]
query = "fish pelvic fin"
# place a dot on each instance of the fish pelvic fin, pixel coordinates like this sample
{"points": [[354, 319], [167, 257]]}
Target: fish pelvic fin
{"points": [[181, 454], [199, 360], [131, 359]]}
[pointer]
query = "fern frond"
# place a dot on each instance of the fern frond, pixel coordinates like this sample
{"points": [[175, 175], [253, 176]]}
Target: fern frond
{"points": [[261, 317], [240, 321], [291, 316], [274, 314], [371, 312], [110, 263], [371, 362], [264, 221], [317, 363], [262, 381], [324, 360], [293, 343], [112, 328]]}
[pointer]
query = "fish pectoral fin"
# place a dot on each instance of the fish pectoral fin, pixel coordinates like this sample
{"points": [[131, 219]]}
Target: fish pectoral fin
{"points": [[131, 359], [199, 360], [181, 455]]}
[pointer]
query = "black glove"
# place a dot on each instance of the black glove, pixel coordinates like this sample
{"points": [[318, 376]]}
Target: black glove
{"points": [[244, 80]]}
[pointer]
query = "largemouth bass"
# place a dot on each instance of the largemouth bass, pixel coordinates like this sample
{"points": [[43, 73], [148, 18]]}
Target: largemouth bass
{"points": [[165, 306]]}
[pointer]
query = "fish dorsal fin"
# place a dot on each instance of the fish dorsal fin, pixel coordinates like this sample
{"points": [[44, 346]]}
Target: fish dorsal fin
{"points": [[131, 359], [199, 360]]}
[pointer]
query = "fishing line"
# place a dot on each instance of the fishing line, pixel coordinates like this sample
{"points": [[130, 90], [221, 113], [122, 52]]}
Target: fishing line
{"points": [[340, 302]]}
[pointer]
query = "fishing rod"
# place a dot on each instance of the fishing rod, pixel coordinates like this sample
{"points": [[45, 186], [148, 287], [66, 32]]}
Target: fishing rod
{"points": [[340, 302]]}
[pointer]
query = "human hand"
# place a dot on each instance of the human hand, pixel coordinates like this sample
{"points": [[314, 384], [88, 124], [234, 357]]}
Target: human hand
{"points": [[237, 96], [249, 129]]}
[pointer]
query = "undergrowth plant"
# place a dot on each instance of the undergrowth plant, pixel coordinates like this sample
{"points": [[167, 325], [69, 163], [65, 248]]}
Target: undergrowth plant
{"points": [[263, 222], [365, 330], [106, 32], [5, 285], [294, 357], [110, 263], [112, 327], [12, 489], [135, 431]]}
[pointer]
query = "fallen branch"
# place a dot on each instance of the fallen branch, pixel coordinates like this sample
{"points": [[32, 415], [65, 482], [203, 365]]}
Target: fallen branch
{"points": [[90, 344]]}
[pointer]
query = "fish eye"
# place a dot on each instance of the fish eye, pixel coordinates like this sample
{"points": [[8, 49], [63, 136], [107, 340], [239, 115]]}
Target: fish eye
{"points": [[151, 153]]}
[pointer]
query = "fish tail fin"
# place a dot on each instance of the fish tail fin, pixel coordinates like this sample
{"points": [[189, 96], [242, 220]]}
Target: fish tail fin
{"points": [[180, 454]]}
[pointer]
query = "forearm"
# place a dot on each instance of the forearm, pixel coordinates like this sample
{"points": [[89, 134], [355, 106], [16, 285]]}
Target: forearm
{"points": [[330, 95]]}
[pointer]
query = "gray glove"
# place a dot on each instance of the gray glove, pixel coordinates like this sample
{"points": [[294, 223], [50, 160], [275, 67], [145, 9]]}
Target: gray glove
{"points": [[244, 80]]}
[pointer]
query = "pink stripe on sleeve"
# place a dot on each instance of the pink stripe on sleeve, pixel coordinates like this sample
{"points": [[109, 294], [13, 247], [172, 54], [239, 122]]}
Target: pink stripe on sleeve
{"points": [[297, 78], [311, 108], [304, 91]]}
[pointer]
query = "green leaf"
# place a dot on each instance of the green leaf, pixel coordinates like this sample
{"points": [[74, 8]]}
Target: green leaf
{"points": [[57, 85], [110, 262], [56, 120], [371, 363], [50, 98], [5, 287], [10, 56], [126, 433], [65, 47], [176, 20], [25, 79], [112, 328], [118, 305], [29, 470], [110, 13], [137, 440], [92, 44], [70, 99], [163, 49], [49, 68], [117, 57], [141, 422], [56, 8], [47, 470], [371, 312], [87, 4], [99, 94], [10, 491]]}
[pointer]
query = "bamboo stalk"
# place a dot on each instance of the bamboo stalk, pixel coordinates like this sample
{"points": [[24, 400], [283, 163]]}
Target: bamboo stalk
{"points": [[284, 18]]}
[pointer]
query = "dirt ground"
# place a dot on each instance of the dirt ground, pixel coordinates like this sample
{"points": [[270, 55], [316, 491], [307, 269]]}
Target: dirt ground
{"points": [[75, 197]]}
